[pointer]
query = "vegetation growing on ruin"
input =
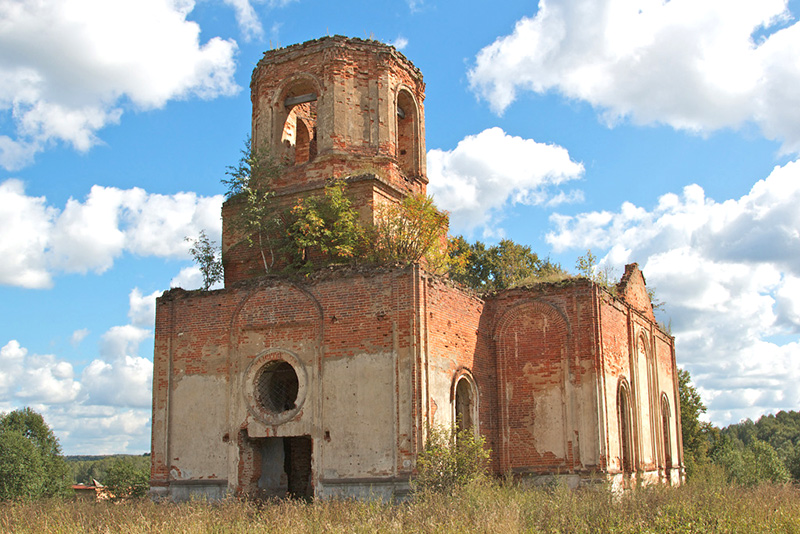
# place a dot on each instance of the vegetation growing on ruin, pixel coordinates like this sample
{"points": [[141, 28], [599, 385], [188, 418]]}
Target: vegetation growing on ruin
{"points": [[206, 255], [326, 229], [259, 220], [412, 231], [323, 229]]}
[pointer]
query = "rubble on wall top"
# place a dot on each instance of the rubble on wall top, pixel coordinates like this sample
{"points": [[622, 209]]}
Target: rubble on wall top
{"points": [[329, 41]]}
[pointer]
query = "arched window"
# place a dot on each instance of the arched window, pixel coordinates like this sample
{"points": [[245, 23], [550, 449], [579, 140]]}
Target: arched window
{"points": [[407, 145], [625, 427], [465, 405], [299, 128], [665, 417]]}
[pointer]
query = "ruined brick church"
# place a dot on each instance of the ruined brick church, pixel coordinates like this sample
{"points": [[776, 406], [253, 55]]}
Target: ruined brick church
{"points": [[327, 385]]}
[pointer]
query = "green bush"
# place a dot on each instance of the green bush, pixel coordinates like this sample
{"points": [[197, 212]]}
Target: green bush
{"points": [[126, 479], [450, 460], [410, 231]]}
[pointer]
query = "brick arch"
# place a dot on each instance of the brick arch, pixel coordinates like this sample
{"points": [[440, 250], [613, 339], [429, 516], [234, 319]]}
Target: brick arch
{"points": [[531, 341], [408, 132], [625, 427], [465, 399], [525, 307], [277, 316], [666, 433], [295, 129]]}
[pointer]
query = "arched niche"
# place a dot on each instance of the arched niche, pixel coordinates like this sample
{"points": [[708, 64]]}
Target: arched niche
{"points": [[625, 422], [646, 398], [464, 399], [666, 415], [531, 340]]}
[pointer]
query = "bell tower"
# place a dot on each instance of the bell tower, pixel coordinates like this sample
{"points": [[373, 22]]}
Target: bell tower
{"points": [[336, 107]]}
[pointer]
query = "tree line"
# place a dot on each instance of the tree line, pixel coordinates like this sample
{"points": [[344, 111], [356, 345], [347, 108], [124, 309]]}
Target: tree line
{"points": [[32, 465], [747, 453]]}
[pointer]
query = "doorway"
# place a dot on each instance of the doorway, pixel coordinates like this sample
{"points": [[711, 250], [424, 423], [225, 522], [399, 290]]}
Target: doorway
{"points": [[285, 467]]}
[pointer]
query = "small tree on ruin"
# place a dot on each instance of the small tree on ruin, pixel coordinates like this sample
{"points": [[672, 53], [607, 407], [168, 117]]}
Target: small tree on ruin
{"points": [[206, 255]]}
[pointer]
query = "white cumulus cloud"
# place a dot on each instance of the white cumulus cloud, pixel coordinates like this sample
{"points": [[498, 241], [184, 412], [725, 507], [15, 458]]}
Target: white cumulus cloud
{"points": [[69, 67], [142, 308], [488, 171], [697, 65], [729, 274], [88, 235], [34, 378], [23, 250]]}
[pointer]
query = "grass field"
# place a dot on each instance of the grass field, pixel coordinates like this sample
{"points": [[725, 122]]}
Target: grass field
{"points": [[696, 507]]}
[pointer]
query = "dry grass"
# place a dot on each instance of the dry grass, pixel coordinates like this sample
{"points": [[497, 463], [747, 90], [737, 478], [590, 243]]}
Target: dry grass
{"points": [[692, 508]]}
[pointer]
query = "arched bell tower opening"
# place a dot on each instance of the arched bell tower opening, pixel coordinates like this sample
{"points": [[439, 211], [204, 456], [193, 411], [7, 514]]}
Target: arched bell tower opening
{"points": [[407, 134], [296, 118]]}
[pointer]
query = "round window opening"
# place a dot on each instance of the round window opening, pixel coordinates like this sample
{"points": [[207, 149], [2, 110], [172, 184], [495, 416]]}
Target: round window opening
{"points": [[276, 387]]}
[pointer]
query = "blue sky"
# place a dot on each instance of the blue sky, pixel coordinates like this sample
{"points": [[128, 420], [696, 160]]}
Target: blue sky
{"points": [[665, 133]]}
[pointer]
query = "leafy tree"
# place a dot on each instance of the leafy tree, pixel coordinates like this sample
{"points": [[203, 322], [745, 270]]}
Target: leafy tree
{"points": [[410, 231], [588, 267], [39, 462], [256, 169], [258, 219], [326, 225], [21, 470], [206, 254], [768, 465], [451, 458], [507, 264], [695, 442], [781, 431], [752, 464], [793, 462], [126, 479]]}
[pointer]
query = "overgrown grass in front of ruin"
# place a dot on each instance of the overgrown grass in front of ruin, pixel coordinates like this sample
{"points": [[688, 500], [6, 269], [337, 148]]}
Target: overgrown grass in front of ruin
{"points": [[495, 507]]}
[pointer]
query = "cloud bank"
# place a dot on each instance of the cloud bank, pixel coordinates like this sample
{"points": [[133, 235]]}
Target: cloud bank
{"points": [[696, 65], [88, 235], [729, 273], [70, 67]]}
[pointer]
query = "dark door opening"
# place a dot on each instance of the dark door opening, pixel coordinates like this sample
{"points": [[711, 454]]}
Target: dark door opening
{"points": [[286, 467]]}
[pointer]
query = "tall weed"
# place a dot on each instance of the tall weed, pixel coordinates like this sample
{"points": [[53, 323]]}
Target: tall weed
{"points": [[697, 507]]}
